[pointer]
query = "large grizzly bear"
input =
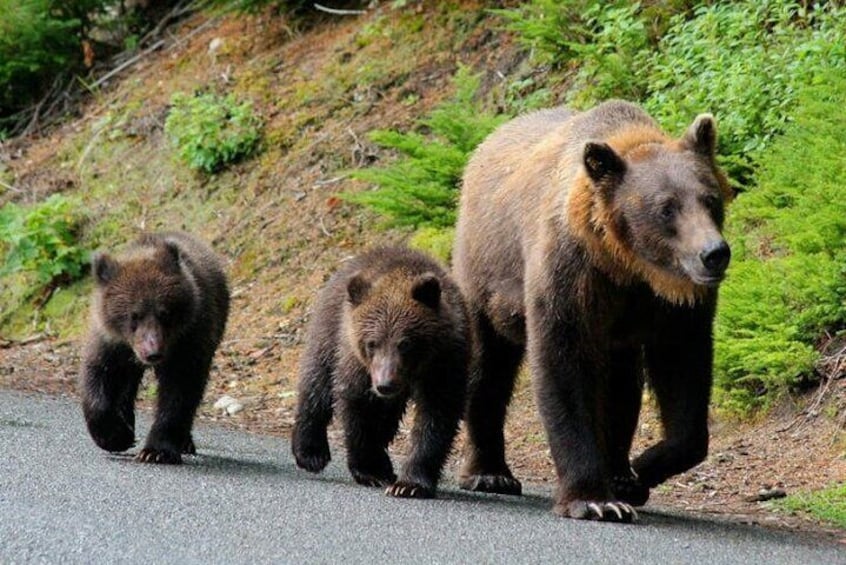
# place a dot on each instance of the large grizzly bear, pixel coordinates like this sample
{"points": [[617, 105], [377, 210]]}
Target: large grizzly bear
{"points": [[592, 241], [163, 305], [389, 326]]}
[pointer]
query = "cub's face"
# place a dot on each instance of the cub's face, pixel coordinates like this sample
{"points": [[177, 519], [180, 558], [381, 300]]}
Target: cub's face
{"points": [[666, 204], [144, 302], [393, 324]]}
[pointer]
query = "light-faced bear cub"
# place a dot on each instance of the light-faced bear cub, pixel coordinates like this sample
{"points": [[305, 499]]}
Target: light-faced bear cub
{"points": [[389, 326], [163, 305], [592, 241]]}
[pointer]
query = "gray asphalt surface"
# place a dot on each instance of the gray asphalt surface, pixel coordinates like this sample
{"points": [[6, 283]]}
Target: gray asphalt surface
{"points": [[242, 500]]}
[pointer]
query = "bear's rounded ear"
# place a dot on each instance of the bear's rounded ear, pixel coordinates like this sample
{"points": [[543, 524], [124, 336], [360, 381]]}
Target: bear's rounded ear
{"points": [[357, 289], [602, 162], [701, 136], [172, 256], [426, 289], [104, 267]]}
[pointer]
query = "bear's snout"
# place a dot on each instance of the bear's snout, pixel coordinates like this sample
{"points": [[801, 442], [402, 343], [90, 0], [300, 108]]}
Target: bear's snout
{"points": [[383, 375], [715, 257]]}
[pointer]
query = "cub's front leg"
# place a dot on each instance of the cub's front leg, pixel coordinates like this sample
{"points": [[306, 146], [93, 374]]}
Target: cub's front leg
{"points": [[109, 383]]}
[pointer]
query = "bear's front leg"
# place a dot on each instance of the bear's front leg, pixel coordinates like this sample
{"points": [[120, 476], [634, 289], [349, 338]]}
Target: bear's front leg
{"points": [[565, 367], [309, 441], [369, 426], [181, 386], [109, 383], [439, 407], [680, 375]]}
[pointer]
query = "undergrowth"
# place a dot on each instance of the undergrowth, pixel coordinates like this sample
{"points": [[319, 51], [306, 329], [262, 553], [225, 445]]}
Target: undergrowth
{"points": [[787, 282], [211, 131], [744, 61], [420, 189], [827, 504], [43, 240]]}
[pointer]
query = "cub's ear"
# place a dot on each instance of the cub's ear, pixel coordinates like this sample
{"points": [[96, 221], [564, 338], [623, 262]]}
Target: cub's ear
{"points": [[602, 162], [357, 289], [426, 289], [171, 256], [701, 136], [104, 267]]}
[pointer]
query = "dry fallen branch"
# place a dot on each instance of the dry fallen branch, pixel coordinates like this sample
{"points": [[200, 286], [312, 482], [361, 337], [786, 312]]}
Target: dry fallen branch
{"points": [[338, 12]]}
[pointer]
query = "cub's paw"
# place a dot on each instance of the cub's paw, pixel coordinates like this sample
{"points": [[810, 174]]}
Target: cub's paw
{"points": [[189, 448], [372, 479], [161, 456], [630, 490], [111, 432], [406, 489], [606, 511], [311, 453], [500, 484]]}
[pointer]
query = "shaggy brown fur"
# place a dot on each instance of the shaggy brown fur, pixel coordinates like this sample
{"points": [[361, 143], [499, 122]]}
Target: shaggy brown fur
{"points": [[592, 241], [162, 305], [388, 327]]}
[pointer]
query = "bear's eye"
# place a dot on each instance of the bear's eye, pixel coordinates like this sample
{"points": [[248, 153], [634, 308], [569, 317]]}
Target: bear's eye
{"points": [[668, 210], [370, 346], [134, 319], [712, 201], [404, 346]]}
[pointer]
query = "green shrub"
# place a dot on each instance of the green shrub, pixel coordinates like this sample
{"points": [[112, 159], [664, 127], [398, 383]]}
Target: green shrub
{"points": [[39, 40], [210, 131], [42, 240], [787, 282], [437, 242], [744, 61], [421, 187], [828, 504]]}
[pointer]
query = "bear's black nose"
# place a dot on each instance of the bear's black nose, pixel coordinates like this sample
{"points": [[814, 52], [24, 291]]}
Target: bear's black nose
{"points": [[387, 389], [716, 256]]}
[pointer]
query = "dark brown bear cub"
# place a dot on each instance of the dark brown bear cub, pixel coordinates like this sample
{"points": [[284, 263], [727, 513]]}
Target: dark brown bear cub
{"points": [[389, 326], [163, 305], [592, 242]]}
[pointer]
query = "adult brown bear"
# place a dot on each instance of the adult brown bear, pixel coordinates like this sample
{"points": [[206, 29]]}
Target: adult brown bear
{"points": [[592, 241], [163, 305]]}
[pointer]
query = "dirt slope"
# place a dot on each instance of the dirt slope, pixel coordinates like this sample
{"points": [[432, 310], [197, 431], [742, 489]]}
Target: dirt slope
{"points": [[279, 223]]}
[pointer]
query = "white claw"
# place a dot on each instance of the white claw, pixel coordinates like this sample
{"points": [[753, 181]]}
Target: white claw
{"points": [[596, 509], [633, 511], [616, 510]]}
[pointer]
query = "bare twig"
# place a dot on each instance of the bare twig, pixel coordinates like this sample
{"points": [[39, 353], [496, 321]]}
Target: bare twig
{"points": [[10, 187], [323, 228], [337, 12], [128, 63]]}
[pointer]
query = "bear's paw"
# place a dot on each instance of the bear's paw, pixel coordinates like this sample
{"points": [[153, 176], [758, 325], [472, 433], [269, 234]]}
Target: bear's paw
{"points": [[406, 489], [606, 511]]}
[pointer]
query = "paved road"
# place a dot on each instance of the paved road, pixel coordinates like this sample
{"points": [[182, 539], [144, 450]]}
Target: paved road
{"points": [[243, 501]]}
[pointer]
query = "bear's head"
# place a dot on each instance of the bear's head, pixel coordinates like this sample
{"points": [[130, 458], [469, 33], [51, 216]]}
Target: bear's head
{"points": [[146, 300], [652, 208], [392, 325]]}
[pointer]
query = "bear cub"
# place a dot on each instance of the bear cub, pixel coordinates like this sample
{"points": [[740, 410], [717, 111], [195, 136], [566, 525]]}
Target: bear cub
{"points": [[162, 305], [389, 326]]}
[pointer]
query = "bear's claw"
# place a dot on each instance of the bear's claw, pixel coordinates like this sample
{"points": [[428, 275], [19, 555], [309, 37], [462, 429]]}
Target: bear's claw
{"points": [[614, 511], [402, 489], [162, 456]]}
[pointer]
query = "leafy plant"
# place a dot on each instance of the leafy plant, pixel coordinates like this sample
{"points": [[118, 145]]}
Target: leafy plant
{"points": [[744, 61], [828, 504], [787, 281], [210, 131], [40, 41], [421, 187], [42, 240]]}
